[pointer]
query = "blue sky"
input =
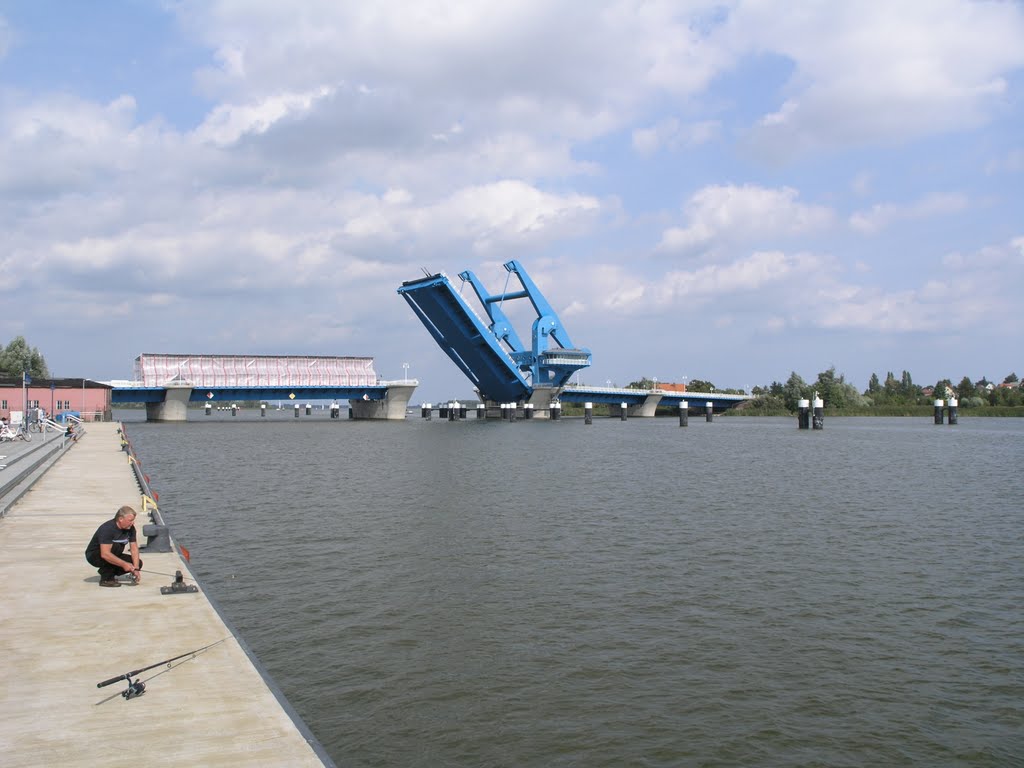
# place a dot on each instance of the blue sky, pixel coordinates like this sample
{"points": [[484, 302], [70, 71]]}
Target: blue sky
{"points": [[725, 191]]}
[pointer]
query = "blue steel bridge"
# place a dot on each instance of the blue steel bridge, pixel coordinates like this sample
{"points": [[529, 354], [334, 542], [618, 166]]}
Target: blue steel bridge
{"points": [[503, 368], [168, 383]]}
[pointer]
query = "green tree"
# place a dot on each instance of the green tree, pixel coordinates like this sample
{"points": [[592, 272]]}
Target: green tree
{"points": [[965, 389], [699, 385], [874, 385], [17, 357], [1011, 379], [794, 390]]}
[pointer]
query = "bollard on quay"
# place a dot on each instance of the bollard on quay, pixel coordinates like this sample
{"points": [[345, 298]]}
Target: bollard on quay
{"points": [[684, 413], [803, 418]]}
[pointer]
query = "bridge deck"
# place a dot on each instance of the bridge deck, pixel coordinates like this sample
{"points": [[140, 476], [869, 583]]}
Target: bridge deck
{"points": [[62, 635], [465, 339]]}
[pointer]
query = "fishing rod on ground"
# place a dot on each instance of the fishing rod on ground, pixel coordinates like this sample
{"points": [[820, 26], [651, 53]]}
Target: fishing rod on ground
{"points": [[137, 687]]}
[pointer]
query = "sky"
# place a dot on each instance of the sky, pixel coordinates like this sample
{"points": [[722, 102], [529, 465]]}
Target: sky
{"points": [[724, 191]]}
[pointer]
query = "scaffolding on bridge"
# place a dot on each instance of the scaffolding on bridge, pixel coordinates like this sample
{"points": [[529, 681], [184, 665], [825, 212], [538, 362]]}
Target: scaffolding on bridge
{"points": [[248, 371]]}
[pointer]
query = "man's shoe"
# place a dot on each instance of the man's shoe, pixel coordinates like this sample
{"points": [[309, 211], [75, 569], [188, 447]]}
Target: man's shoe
{"points": [[110, 583]]}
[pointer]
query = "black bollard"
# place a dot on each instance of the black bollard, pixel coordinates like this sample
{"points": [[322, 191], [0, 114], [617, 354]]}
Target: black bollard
{"points": [[208, 409], [263, 410], [309, 409], [622, 411], [588, 413], [818, 416], [462, 411], [296, 410], [938, 411], [481, 411], [234, 409], [528, 411], [556, 411], [803, 419], [684, 413], [709, 411], [428, 411], [953, 415]]}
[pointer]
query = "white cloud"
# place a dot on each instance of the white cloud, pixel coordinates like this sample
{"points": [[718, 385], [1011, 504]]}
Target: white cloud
{"points": [[884, 215], [227, 123], [743, 213], [870, 72]]}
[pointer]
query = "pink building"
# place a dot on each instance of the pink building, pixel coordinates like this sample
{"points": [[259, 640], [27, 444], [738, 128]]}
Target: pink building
{"points": [[90, 399]]}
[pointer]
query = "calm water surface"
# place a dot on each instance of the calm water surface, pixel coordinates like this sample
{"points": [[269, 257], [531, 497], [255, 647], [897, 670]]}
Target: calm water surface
{"points": [[620, 594]]}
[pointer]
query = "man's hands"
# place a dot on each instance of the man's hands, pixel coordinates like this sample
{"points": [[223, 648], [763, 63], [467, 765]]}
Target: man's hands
{"points": [[135, 573]]}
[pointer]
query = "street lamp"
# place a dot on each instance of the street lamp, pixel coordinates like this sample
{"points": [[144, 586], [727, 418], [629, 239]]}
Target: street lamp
{"points": [[406, 367], [608, 383], [655, 383]]}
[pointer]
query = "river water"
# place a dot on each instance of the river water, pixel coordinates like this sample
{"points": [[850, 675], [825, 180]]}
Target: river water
{"points": [[618, 594]]}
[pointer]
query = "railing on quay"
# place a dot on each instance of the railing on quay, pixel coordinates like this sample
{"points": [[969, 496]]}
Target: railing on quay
{"points": [[158, 536]]}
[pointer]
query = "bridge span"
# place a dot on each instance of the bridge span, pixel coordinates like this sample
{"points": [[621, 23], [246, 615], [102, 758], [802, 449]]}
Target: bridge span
{"points": [[168, 383]]}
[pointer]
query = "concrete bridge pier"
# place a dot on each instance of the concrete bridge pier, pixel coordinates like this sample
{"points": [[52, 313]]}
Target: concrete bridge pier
{"points": [[541, 399], [391, 407], [175, 404], [645, 409]]}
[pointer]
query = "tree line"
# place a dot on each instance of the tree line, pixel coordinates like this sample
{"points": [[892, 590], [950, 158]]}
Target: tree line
{"points": [[839, 394]]}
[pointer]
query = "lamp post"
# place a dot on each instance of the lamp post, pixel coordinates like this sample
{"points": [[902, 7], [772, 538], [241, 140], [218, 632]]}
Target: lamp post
{"points": [[405, 366], [655, 383]]}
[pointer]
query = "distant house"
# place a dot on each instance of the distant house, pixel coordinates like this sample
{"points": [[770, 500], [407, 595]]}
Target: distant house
{"points": [[669, 387], [927, 391], [90, 399]]}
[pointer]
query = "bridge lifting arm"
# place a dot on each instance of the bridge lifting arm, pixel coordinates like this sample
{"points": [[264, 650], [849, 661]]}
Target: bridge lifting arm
{"points": [[500, 325], [546, 368]]}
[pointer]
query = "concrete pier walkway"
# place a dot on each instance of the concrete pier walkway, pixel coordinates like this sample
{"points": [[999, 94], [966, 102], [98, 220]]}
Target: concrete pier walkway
{"points": [[61, 634]]}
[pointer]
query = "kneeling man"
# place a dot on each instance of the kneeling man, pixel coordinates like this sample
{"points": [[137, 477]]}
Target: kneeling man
{"points": [[106, 549]]}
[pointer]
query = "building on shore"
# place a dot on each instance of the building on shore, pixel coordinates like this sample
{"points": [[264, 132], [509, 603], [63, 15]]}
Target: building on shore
{"points": [[90, 400]]}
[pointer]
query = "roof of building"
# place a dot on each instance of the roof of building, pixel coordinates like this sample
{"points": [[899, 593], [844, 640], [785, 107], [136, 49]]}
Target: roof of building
{"points": [[62, 383]]}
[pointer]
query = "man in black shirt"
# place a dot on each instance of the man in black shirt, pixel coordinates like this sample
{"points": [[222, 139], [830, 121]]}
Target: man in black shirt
{"points": [[106, 549]]}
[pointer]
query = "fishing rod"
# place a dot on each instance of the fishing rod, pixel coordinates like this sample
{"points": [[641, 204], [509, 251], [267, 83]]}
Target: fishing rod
{"points": [[137, 687]]}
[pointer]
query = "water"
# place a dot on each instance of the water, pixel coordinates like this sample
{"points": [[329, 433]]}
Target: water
{"points": [[555, 594]]}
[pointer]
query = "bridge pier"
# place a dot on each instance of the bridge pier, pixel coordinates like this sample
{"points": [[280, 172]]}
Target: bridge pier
{"points": [[541, 399], [175, 404], [392, 407], [645, 409]]}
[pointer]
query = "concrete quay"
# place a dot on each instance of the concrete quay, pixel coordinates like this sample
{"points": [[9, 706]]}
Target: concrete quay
{"points": [[62, 634]]}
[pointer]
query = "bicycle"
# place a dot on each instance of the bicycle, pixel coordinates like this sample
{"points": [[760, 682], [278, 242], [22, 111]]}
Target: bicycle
{"points": [[10, 435]]}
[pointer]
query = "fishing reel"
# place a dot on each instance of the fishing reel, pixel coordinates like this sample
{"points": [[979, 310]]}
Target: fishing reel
{"points": [[134, 689]]}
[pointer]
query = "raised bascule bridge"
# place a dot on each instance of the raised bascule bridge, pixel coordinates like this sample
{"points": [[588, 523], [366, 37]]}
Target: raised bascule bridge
{"points": [[168, 383], [505, 371]]}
